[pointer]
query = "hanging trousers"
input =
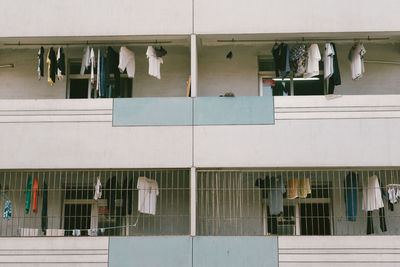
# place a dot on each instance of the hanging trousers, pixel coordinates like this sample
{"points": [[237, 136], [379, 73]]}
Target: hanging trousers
{"points": [[382, 221]]}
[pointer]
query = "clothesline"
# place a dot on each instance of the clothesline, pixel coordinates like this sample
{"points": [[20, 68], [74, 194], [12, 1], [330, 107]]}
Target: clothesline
{"points": [[110, 43], [298, 40]]}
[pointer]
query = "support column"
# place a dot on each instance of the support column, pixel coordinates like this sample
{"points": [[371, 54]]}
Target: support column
{"points": [[193, 64], [193, 197]]}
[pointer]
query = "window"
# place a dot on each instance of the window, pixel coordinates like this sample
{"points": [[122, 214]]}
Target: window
{"points": [[79, 86], [270, 84]]}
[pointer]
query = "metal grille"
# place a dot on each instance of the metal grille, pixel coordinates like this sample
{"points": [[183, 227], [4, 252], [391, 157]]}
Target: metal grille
{"points": [[71, 209], [351, 201]]}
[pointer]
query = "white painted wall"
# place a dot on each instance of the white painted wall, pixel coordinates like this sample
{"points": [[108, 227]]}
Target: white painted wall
{"points": [[79, 134], [308, 131], [95, 18], [257, 16]]}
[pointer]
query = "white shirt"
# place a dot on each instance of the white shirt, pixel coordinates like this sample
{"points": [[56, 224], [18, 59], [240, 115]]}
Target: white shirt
{"points": [[97, 189], [85, 60], [154, 62], [356, 55], [148, 192], [314, 57], [127, 60], [92, 64], [372, 196], [328, 61], [98, 72]]}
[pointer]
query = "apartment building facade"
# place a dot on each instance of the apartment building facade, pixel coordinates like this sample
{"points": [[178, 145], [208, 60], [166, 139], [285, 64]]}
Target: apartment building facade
{"points": [[281, 173]]}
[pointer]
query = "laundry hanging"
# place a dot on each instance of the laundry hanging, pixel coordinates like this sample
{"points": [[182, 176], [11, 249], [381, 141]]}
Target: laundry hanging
{"points": [[28, 193], [313, 58], [298, 187], [298, 59], [356, 57], [154, 62], [51, 66], [35, 189], [85, 60], [127, 61], [44, 207], [40, 63], [281, 54], [7, 210], [111, 66], [60, 63], [351, 195], [97, 189], [148, 192], [334, 79], [273, 189]]}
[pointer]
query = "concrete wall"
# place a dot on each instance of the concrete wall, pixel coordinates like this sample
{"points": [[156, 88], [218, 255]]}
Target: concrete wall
{"points": [[79, 134], [95, 18], [257, 16], [308, 131]]}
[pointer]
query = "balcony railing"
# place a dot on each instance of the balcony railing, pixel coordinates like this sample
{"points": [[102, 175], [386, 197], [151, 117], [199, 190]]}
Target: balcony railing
{"points": [[230, 202]]}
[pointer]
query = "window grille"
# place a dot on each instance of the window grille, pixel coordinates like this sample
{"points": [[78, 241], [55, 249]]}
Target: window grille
{"points": [[73, 211], [249, 202]]}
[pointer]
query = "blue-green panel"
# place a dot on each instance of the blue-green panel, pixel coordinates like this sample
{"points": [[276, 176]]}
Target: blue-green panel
{"points": [[169, 251], [235, 251], [241, 110], [152, 111]]}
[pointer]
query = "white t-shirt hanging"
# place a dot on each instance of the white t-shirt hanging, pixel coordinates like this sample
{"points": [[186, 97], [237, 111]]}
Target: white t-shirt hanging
{"points": [[85, 60], [328, 61], [148, 192], [154, 62], [92, 64], [372, 196], [314, 57], [127, 60], [356, 57], [97, 189]]}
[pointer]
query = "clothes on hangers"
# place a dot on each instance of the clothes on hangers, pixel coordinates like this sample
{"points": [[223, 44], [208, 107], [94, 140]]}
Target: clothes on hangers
{"points": [[97, 189], [148, 192], [102, 83], [127, 61], [372, 196], [328, 61], [35, 195], [40, 63], [298, 187], [313, 58], [335, 79], [85, 60], [160, 51], [298, 59], [393, 192], [127, 196], [273, 189], [51, 66], [356, 57], [7, 210], [154, 62], [60, 63], [281, 54], [28, 193], [351, 195], [111, 66], [44, 207], [92, 67], [98, 73]]}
